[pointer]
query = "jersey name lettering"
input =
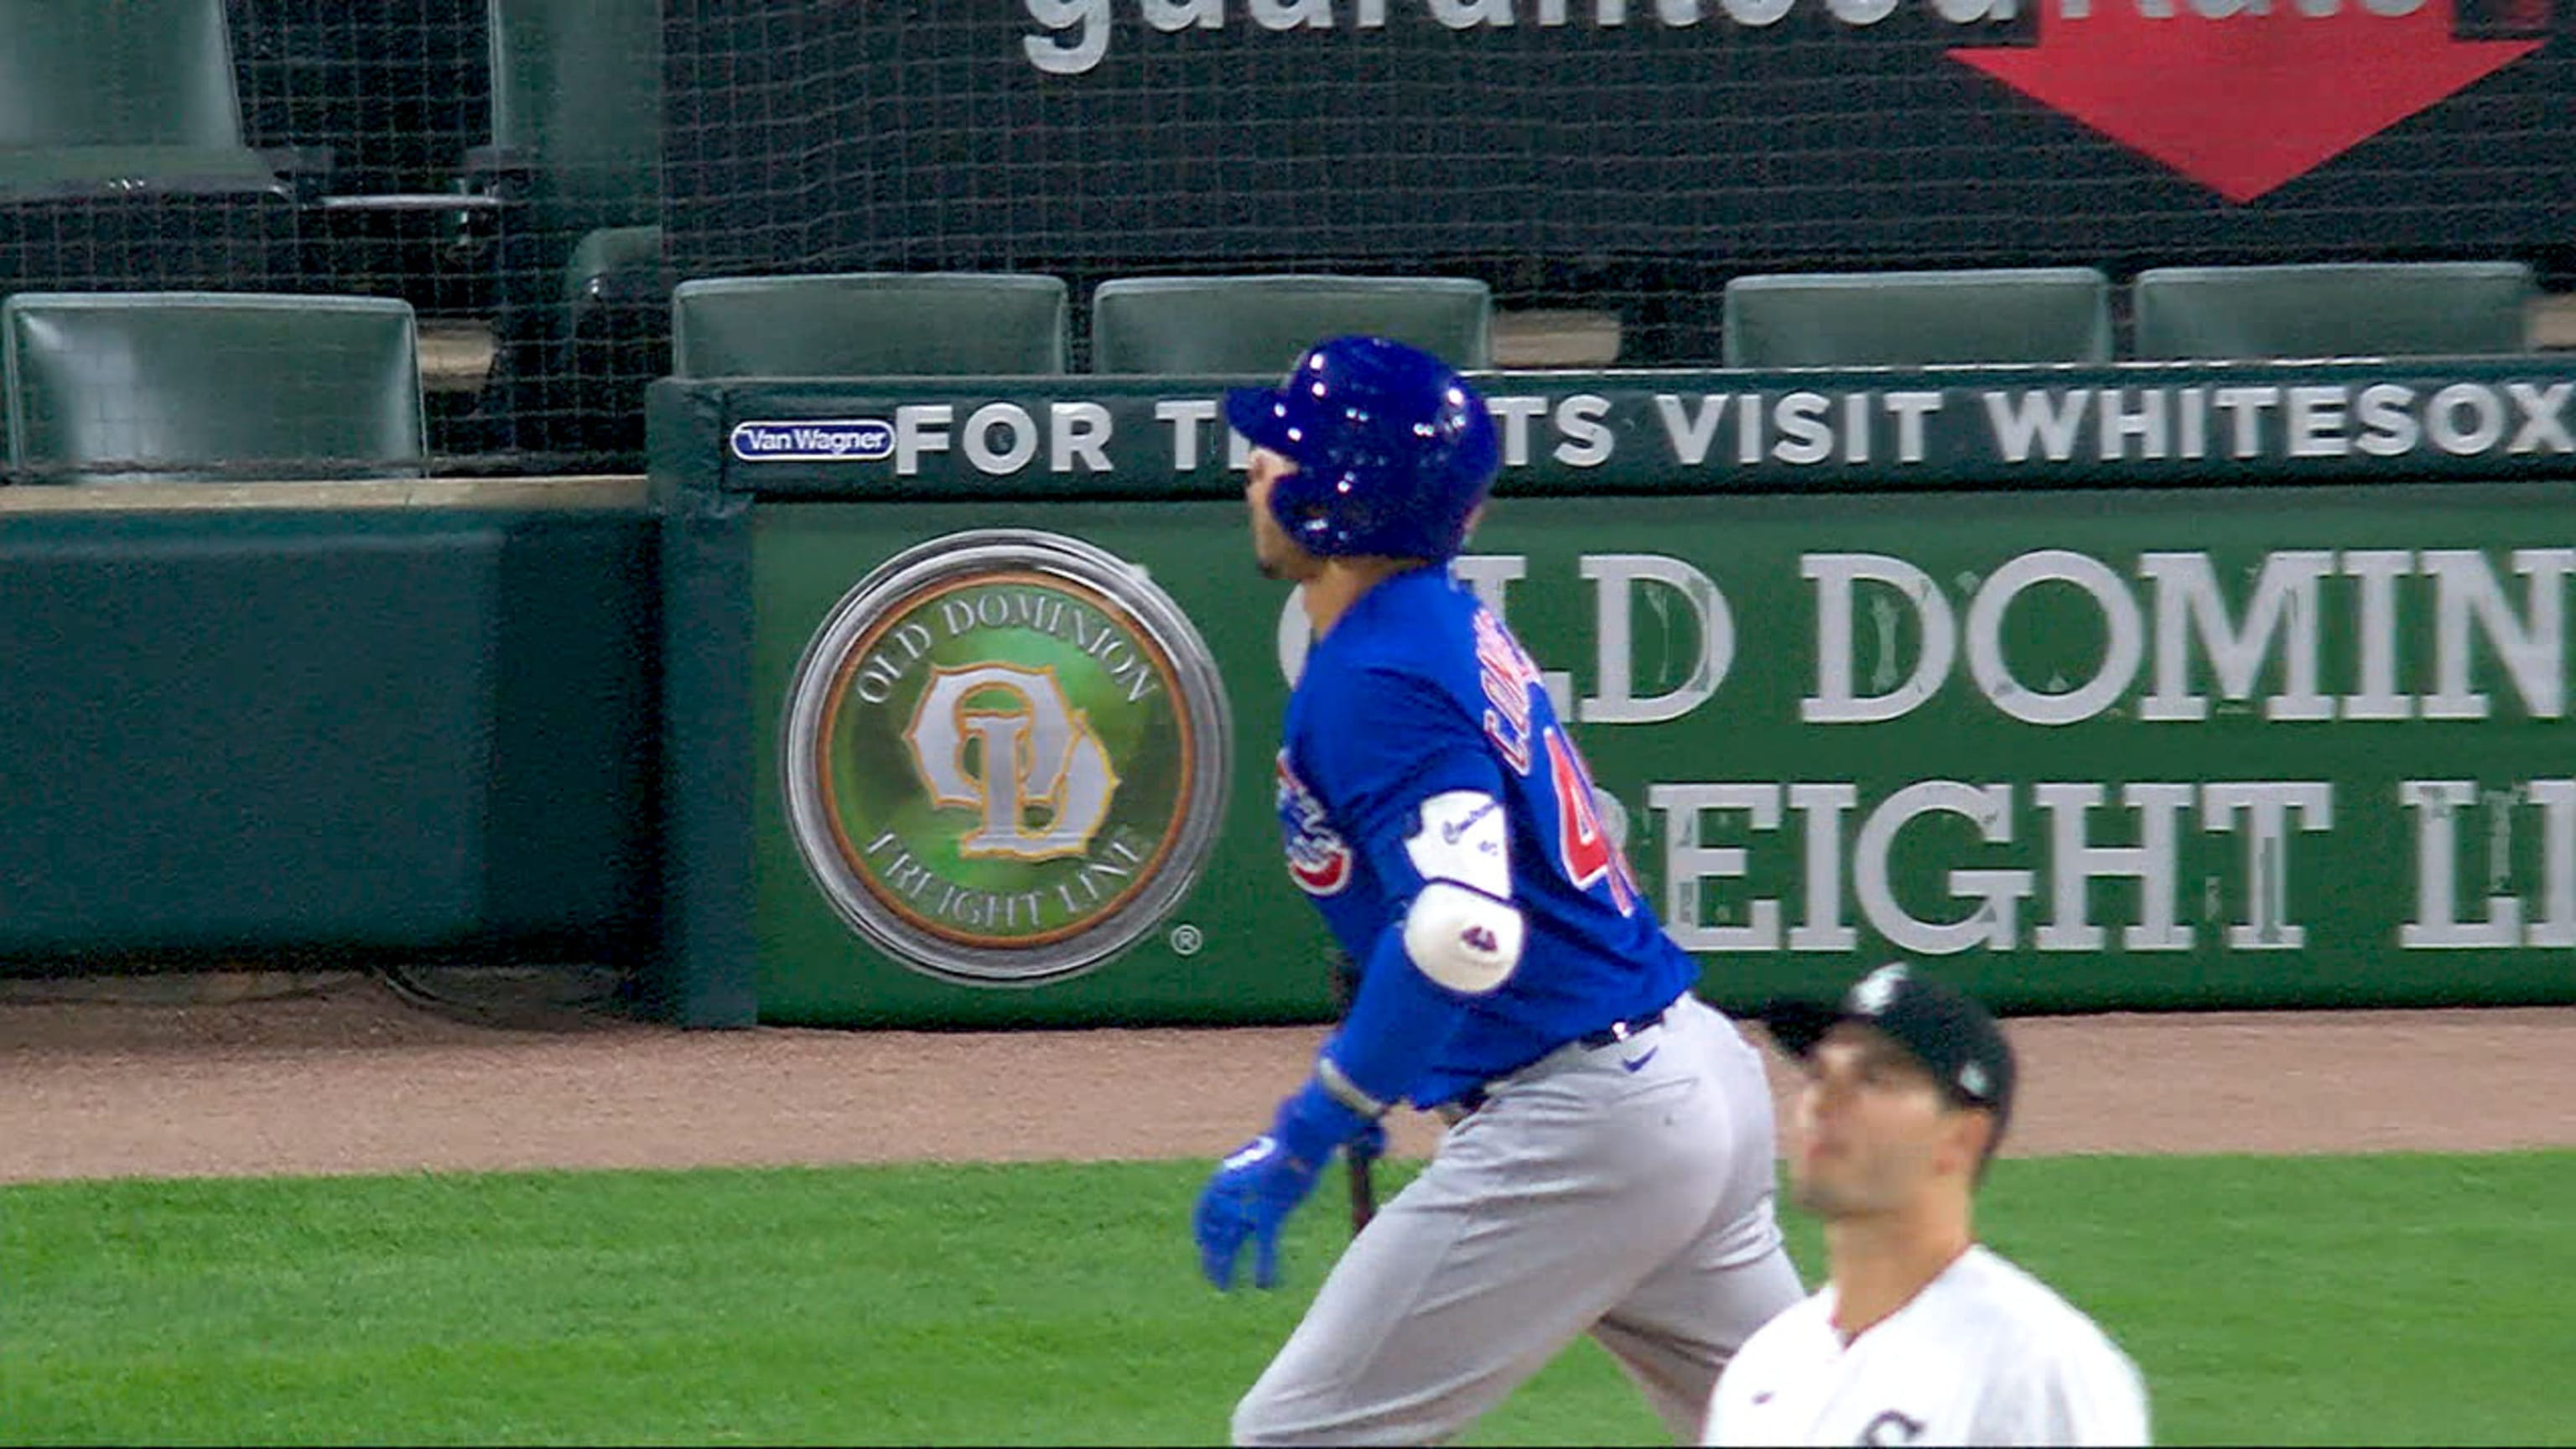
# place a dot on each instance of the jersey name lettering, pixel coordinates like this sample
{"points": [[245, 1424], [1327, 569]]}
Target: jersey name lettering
{"points": [[1508, 675]]}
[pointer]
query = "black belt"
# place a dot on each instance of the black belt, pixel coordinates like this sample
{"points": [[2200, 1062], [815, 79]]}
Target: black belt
{"points": [[1619, 1031], [1457, 1108]]}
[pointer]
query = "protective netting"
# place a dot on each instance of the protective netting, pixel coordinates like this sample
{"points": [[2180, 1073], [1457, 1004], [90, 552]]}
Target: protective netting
{"points": [[531, 177]]}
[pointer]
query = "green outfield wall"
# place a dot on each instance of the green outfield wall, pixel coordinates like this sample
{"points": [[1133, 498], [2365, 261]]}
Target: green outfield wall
{"points": [[2143, 686], [954, 703], [249, 724]]}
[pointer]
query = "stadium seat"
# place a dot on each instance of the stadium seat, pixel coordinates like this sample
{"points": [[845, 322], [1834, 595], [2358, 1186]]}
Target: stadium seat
{"points": [[2331, 309], [182, 386], [575, 158], [122, 158], [1259, 323], [864, 324], [1919, 318]]}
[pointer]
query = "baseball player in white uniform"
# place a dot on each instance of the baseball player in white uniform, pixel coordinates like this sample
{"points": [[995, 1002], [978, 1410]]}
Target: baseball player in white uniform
{"points": [[1921, 1335]]}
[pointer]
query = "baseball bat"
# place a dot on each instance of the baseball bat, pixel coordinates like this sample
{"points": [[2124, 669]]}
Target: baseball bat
{"points": [[1360, 1168]]}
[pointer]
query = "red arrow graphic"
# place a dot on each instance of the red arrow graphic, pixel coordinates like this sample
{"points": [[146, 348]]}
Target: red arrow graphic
{"points": [[2245, 103]]}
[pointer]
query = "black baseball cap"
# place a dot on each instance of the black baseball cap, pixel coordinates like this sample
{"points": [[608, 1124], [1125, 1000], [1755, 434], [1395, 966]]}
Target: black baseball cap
{"points": [[1940, 1026]]}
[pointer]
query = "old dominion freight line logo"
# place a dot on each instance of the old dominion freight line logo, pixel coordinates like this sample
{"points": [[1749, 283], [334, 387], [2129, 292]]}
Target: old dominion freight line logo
{"points": [[1005, 756]]}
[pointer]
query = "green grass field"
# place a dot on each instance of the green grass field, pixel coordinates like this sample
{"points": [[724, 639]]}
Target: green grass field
{"points": [[2355, 1300]]}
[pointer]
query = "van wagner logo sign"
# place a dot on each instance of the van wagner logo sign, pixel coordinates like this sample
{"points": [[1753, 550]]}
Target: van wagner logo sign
{"points": [[1005, 758], [836, 440]]}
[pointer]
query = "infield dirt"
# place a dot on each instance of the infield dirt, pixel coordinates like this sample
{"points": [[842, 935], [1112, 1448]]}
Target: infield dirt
{"points": [[339, 1074]]}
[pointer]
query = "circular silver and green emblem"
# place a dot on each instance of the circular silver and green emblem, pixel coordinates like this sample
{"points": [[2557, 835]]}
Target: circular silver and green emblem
{"points": [[1005, 756]]}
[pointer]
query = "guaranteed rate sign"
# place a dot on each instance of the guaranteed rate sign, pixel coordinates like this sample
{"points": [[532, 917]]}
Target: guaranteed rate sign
{"points": [[1131, 136], [2240, 96], [2243, 96]]}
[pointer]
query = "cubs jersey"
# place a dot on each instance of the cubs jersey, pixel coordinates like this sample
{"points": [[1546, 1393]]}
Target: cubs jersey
{"points": [[1418, 731], [1985, 1354]]}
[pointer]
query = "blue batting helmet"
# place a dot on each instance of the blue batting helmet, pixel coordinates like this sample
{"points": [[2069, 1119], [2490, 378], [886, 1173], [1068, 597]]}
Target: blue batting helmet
{"points": [[1393, 449]]}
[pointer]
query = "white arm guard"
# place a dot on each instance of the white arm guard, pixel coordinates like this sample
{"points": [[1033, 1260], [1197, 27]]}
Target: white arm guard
{"points": [[1461, 938], [1463, 931]]}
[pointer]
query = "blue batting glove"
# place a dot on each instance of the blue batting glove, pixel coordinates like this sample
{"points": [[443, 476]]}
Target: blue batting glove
{"points": [[1254, 1190], [1250, 1196]]}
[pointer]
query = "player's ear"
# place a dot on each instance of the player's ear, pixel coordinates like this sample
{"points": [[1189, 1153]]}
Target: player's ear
{"points": [[1966, 1131]]}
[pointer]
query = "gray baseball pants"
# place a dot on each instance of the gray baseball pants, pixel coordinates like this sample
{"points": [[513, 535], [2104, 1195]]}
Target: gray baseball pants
{"points": [[1587, 1195]]}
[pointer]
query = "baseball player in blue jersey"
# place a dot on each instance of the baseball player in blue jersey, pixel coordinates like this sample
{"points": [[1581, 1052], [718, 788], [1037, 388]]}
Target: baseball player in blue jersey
{"points": [[1609, 1160]]}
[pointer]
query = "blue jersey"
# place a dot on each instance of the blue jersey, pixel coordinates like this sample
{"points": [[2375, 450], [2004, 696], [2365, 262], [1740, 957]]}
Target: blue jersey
{"points": [[1417, 690]]}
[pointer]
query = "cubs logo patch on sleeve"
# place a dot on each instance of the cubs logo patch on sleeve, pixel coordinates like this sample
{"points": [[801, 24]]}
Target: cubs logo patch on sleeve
{"points": [[1319, 860]]}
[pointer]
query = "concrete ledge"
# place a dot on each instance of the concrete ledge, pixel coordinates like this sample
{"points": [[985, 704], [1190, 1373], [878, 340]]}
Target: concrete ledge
{"points": [[604, 491], [455, 356], [1555, 338], [2553, 322]]}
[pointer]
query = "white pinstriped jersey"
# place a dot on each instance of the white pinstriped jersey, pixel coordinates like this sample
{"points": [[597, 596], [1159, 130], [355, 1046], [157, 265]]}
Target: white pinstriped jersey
{"points": [[1985, 1354]]}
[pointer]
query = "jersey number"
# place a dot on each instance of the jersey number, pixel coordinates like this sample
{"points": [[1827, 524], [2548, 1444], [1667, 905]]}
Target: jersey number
{"points": [[1588, 853]]}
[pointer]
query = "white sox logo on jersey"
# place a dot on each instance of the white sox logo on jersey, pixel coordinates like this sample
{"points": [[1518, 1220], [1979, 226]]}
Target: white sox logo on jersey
{"points": [[1319, 860], [1890, 1427], [1040, 753]]}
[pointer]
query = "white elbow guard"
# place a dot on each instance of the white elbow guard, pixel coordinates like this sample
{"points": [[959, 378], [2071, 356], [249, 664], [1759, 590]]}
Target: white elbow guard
{"points": [[1463, 931], [1463, 939]]}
